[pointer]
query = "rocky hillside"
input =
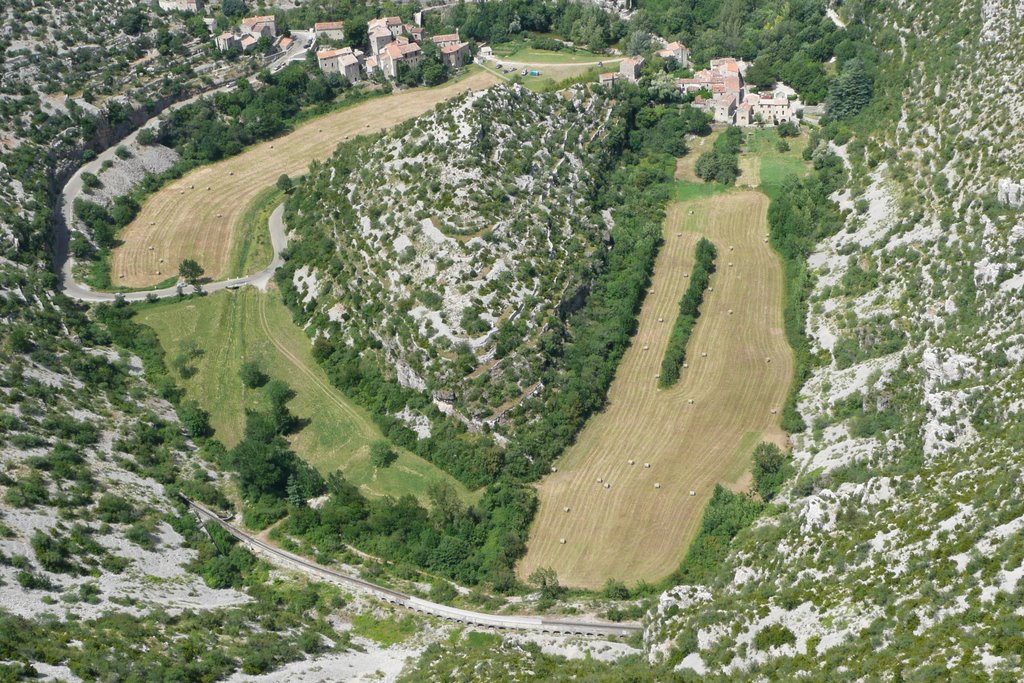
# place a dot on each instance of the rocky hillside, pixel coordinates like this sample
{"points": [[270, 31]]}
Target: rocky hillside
{"points": [[452, 243], [898, 545]]}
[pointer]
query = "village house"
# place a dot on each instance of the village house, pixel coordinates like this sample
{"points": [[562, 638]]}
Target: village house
{"points": [[397, 53], [417, 33], [608, 78], [331, 30], [455, 55], [260, 26], [248, 43], [392, 25], [445, 39], [181, 5], [345, 62], [630, 68], [283, 43], [225, 41], [380, 37], [676, 51]]}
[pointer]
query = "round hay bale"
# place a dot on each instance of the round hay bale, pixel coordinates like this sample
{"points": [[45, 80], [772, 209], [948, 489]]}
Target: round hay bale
{"points": [[730, 264], [271, 147], [731, 247], [561, 541], [774, 411], [191, 187], [607, 486], [767, 360], [693, 493], [647, 465], [158, 272], [689, 401], [730, 311], [150, 247], [632, 462], [657, 486], [766, 240], [686, 365], [599, 480], [566, 508], [711, 289], [152, 222], [703, 354], [231, 173], [219, 216], [645, 347], [554, 469], [661, 320], [121, 276], [679, 234]]}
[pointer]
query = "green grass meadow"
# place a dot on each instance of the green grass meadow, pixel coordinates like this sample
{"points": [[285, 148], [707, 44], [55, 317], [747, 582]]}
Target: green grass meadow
{"points": [[232, 327], [776, 166], [252, 251]]}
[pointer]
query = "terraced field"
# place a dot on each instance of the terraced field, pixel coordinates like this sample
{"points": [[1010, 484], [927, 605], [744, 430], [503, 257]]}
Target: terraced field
{"points": [[639, 526], [197, 216]]}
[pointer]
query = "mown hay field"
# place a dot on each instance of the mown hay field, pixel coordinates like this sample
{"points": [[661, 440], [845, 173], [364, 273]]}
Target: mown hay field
{"points": [[197, 216], [232, 328], [631, 530]]}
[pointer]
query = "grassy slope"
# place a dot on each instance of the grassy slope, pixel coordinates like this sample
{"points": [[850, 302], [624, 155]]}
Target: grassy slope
{"points": [[251, 251], [234, 327]]}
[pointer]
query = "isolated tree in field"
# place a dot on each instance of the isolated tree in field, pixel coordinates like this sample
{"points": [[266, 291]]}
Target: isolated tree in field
{"points": [[381, 454], [284, 183], [190, 271], [252, 375], [770, 469]]}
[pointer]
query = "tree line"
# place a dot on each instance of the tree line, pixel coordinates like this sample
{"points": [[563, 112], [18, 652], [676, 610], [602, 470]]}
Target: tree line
{"points": [[689, 311]]}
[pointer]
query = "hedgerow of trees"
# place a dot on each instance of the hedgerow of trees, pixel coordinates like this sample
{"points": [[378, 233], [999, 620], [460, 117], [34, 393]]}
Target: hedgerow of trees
{"points": [[689, 311]]}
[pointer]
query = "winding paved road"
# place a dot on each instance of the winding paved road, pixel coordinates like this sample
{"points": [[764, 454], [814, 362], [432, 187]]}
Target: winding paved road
{"points": [[497, 621], [64, 263]]}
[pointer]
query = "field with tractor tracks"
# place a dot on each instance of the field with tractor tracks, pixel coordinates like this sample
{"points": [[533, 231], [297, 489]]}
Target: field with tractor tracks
{"points": [[633, 521], [198, 215]]}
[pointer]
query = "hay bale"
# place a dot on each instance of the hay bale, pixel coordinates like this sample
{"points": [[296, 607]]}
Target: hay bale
{"points": [[689, 401], [657, 486], [774, 411], [561, 541], [703, 354], [150, 247], [566, 508], [554, 469], [645, 347], [711, 289], [686, 365], [693, 493], [607, 486], [661, 320], [731, 247], [632, 462], [599, 480], [647, 465]]}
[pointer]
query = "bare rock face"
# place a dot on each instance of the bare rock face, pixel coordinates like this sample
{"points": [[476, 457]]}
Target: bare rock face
{"points": [[1011, 193]]}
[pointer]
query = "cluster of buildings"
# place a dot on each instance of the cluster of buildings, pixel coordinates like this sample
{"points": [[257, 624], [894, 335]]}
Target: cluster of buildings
{"points": [[719, 89], [181, 5], [732, 101], [629, 68], [391, 43], [250, 32]]}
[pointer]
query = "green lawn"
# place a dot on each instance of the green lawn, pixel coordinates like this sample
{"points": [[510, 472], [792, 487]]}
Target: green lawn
{"points": [[252, 250], [686, 190], [520, 51], [386, 631], [235, 327], [776, 166]]}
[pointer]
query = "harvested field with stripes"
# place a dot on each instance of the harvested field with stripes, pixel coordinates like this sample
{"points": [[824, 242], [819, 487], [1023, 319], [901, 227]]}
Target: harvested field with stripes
{"points": [[198, 215], [605, 513]]}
